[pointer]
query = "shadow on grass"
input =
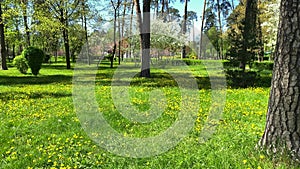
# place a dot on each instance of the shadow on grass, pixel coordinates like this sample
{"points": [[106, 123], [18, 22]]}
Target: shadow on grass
{"points": [[14, 95], [55, 66], [156, 80], [23, 80]]}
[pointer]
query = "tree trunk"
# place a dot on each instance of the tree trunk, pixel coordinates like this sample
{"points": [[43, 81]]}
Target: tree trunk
{"points": [[130, 30], [249, 34], [220, 29], [202, 28], [119, 41], [162, 7], [84, 25], [260, 42], [67, 47], [123, 30], [115, 6], [24, 12], [65, 22], [282, 130], [2, 41], [145, 36], [183, 51]]}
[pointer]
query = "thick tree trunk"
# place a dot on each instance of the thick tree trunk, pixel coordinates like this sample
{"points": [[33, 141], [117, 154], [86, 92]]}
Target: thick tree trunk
{"points": [[145, 36], [2, 42], [183, 50], [282, 130]]}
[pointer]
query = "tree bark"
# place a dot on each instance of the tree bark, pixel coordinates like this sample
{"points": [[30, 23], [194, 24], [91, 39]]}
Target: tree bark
{"points": [[24, 4], [145, 36], [65, 22], [220, 29], [282, 130], [2, 40], [202, 28], [116, 7], [249, 34], [183, 50]]}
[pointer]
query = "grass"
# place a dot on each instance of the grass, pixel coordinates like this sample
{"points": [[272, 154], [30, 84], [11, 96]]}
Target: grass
{"points": [[40, 129]]}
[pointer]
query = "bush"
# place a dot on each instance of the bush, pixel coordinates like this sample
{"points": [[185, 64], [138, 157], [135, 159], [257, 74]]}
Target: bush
{"points": [[47, 58], [21, 63], [263, 66], [35, 58], [230, 64], [192, 61], [239, 78]]}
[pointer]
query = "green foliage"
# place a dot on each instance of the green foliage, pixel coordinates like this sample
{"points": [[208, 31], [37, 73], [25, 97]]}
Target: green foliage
{"points": [[35, 57], [230, 64], [240, 78], [21, 63], [47, 58], [260, 66], [192, 55]]}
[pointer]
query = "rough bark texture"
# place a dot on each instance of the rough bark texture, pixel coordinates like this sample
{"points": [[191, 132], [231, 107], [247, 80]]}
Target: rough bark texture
{"points": [[282, 131]]}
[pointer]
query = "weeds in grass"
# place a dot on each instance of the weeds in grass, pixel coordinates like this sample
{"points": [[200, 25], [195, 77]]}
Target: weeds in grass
{"points": [[39, 128]]}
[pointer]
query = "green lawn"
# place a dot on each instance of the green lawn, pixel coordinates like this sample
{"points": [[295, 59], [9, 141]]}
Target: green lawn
{"points": [[40, 129]]}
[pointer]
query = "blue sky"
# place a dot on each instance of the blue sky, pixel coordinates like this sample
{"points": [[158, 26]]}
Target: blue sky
{"points": [[194, 5]]}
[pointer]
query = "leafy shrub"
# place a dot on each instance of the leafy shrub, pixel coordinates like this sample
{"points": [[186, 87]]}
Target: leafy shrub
{"points": [[21, 63], [35, 57], [263, 65], [231, 64], [47, 58], [192, 61], [239, 78]]}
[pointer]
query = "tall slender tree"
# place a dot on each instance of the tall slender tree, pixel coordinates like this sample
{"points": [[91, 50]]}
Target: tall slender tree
{"points": [[184, 26], [24, 6], [282, 130], [250, 33], [116, 5], [2, 40], [201, 29]]}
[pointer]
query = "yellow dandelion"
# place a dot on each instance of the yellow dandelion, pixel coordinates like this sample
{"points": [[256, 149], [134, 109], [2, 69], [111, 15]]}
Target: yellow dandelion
{"points": [[244, 161]]}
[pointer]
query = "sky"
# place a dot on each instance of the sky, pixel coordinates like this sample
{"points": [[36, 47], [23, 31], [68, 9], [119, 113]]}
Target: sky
{"points": [[196, 6]]}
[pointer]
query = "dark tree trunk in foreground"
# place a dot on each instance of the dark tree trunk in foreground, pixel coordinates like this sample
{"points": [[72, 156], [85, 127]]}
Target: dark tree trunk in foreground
{"points": [[282, 131], [144, 27], [145, 69], [2, 42]]}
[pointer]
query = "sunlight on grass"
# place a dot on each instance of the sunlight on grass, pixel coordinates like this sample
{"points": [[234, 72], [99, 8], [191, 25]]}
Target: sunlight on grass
{"points": [[39, 128]]}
